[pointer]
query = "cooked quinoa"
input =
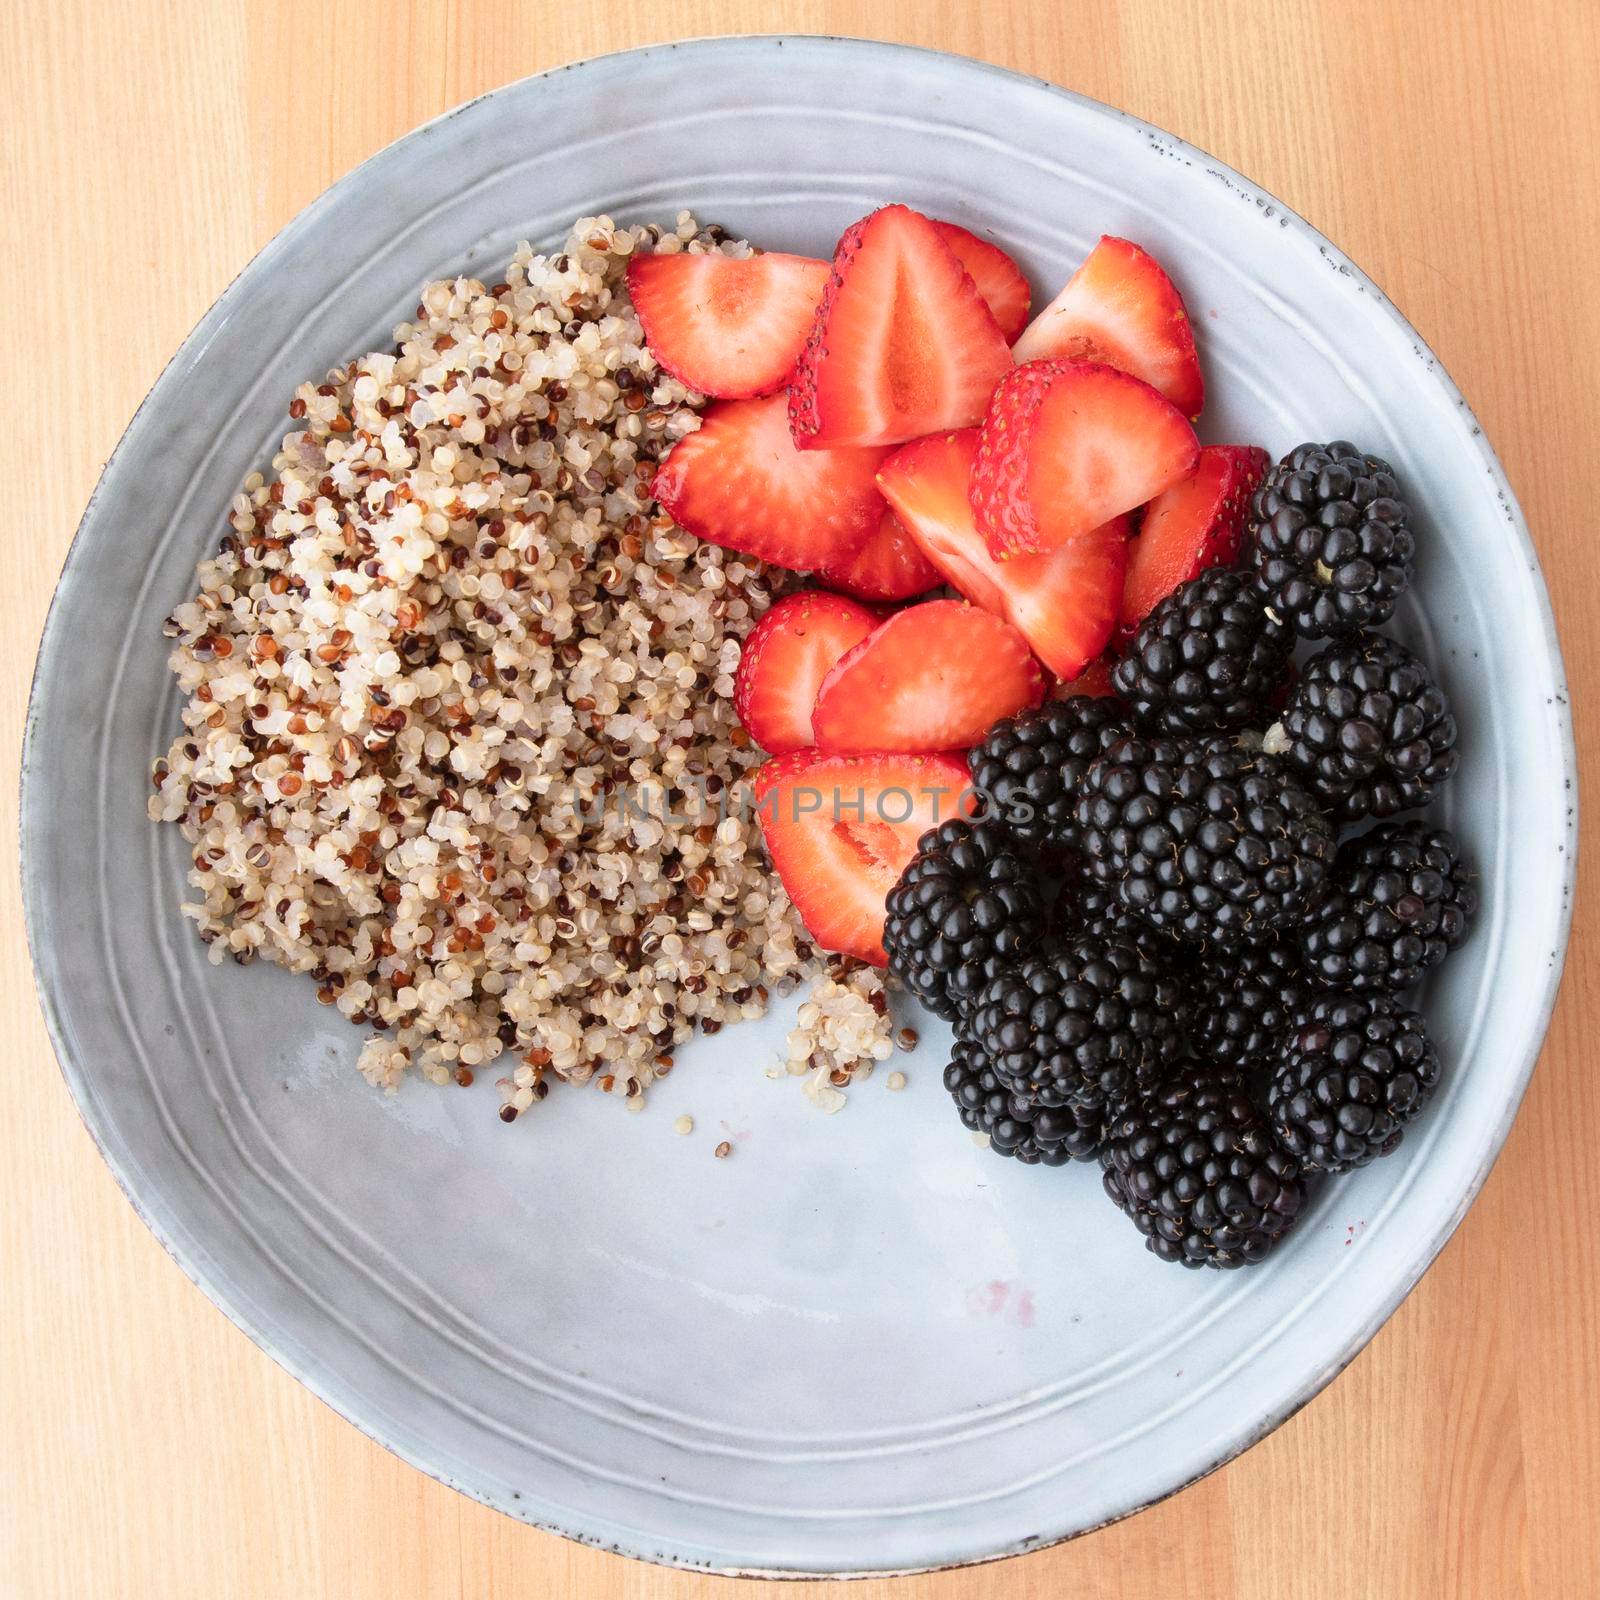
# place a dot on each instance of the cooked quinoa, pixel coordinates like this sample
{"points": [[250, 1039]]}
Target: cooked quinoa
{"points": [[841, 1031], [458, 735]]}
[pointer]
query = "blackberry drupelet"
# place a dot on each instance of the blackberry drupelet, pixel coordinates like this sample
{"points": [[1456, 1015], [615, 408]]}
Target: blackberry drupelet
{"points": [[1029, 766], [1368, 728], [967, 903], [1016, 1126], [1197, 1168], [1211, 842], [1356, 1068], [1083, 1025], [1330, 540], [1207, 658], [1400, 900], [1245, 1003]]}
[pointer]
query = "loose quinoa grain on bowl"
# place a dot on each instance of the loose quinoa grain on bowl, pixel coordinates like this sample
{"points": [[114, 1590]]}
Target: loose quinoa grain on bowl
{"points": [[447, 637]]}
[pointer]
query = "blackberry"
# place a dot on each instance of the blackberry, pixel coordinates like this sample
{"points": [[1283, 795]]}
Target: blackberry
{"points": [[1356, 1069], [1029, 767], [1089, 910], [1211, 842], [1086, 909], [1400, 901], [1330, 540], [1016, 1126], [1368, 728], [1208, 657], [1083, 1025], [1197, 1168], [966, 904], [1245, 1003]]}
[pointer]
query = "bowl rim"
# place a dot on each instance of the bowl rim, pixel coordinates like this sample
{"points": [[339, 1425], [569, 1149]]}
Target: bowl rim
{"points": [[1539, 1014]]}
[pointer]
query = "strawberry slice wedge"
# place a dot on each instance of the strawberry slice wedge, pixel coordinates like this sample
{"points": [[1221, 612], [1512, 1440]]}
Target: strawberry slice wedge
{"points": [[1064, 603], [999, 279], [889, 566], [1120, 308], [739, 482], [936, 676], [1068, 445], [926, 484], [1197, 523], [902, 344], [1094, 682], [841, 830], [786, 657], [729, 328]]}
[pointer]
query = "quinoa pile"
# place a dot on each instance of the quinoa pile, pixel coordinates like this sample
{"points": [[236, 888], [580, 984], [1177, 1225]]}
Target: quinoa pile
{"points": [[458, 739]]}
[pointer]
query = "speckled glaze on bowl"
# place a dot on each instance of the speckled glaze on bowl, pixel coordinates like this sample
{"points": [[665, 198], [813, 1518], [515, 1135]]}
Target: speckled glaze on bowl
{"points": [[862, 1344]]}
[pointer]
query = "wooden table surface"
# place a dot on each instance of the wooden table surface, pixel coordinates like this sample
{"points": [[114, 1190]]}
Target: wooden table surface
{"points": [[150, 147]]}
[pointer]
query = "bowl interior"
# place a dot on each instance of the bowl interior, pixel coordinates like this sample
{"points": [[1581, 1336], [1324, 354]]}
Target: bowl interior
{"points": [[862, 1343]]}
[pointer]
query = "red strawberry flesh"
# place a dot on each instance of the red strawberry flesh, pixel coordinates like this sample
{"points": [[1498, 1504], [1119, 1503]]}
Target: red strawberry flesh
{"points": [[784, 660], [926, 483], [1197, 523], [1121, 308], [902, 344], [936, 676], [739, 482], [1064, 602], [726, 326], [1094, 682], [998, 278], [1067, 446], [889, 566], [841, 830]]}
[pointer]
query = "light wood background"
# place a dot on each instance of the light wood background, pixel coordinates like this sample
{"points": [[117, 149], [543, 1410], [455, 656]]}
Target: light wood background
{"points": [[148, 149]]}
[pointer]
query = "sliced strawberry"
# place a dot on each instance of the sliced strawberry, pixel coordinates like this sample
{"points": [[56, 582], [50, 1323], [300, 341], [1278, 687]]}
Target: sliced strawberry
{"points": [[730, 328], [788, 654], [933, 677], [740, 482], [1197, 523], [1064, 602], [1068, 445], [1094, 682], [889, 566], [926, 483], [1122, 309], [841, 830], [780, 768], [999, 279], [902, 344]]}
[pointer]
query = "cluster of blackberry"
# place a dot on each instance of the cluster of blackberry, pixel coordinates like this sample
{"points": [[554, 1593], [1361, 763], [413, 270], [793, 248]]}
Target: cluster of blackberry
{"points": [[1156, 950]]}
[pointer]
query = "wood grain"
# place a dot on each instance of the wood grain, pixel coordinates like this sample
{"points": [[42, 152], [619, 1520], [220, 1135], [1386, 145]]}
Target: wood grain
{"points": [[151, 146]]}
